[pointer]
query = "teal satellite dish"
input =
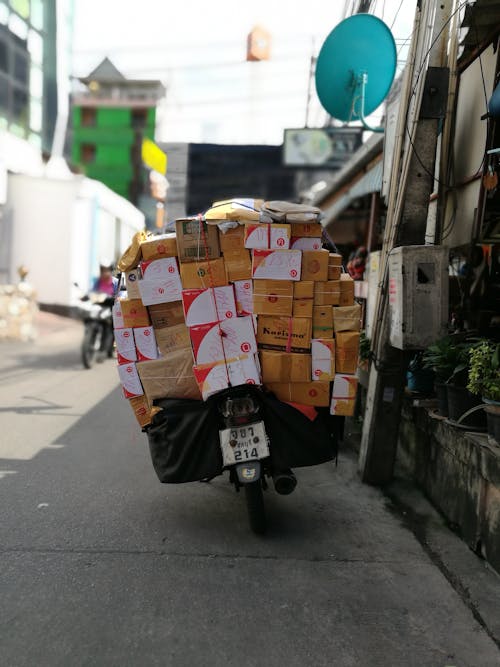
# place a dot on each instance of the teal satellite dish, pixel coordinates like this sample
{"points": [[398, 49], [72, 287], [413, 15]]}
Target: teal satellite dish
{"points": [[355, 68]]}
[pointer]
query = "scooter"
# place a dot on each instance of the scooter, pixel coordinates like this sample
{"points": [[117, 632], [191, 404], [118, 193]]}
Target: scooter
{"points": [[98, 338]]}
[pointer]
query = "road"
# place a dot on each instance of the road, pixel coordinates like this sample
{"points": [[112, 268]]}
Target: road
{"points": [[100, 564]]}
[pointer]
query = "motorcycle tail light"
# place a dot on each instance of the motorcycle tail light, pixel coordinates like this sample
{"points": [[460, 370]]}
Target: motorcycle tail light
{"points": [[239, 407]]}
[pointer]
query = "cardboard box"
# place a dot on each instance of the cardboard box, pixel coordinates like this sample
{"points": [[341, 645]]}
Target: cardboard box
{"points": [[266, 236], [171, 377], [145, 343], [129, 379], [323, 359], [125, 345], [305, 243], [238, 264], [196, 241], [132, 278], [213, 378], [307, 229], [302, 308], [243, 290], [159, 269], [134, 313], [232, 239], [304, 289], [284, 367], [314, 265], [323, 317], [346, 290], [344, 395], [322, 332], [166, 314], [346, 351], [202, 306], [289, 334], [164, 245], [228, 339], [307, 393], [203, 274], [164, 290], [347, 318], [273, 297], [240, 208], [173, 338], [141, 409], [334, 259], [327, 293], [276, 264], [117, 315], [334, 272]]}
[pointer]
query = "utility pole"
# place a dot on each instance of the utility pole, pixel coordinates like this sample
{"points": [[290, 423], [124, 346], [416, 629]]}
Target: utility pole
{"points": [[411, 184]]}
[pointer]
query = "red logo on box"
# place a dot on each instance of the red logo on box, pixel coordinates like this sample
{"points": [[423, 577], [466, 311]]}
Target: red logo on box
{"points": [[171, 269], [247, 285], [272, 298], [161, 290], [133, 311], [130, 369], [313, 392], [147, 332], [317, 372], [280, 241], [246, 347], [229, 314], [141, 411], [293, 273], [126, 334], [250, 381], [161, 248]]}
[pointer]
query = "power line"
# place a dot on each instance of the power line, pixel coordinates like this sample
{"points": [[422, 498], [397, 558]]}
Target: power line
{"points": [[396, 15]]}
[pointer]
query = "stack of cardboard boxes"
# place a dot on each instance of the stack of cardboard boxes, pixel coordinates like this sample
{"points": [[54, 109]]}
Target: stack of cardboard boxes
{"points": [[233, 300]]}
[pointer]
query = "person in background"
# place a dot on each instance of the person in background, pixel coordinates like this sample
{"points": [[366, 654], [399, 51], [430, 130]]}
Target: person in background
{"points": [[356, 265], [106, 283]]}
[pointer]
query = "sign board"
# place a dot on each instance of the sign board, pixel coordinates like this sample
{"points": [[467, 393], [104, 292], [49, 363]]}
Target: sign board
{"points": [[326, 147], [153, 157]]}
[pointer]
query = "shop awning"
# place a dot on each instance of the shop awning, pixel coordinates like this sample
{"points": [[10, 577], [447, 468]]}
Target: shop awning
{"points": [[368, 183]]}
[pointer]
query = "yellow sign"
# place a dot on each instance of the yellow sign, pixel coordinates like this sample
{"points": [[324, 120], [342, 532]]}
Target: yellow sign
{"points": [[153, 157]]}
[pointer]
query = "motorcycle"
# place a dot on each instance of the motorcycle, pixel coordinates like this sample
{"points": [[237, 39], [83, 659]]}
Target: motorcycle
{"points": [[242, 430], [98, 339]]}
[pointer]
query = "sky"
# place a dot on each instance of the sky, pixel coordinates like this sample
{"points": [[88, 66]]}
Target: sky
{"points": [[198, 50]]}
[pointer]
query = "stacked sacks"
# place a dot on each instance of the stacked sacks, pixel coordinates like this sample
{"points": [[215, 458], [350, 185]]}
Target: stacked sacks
{"points": [[245, 295]]}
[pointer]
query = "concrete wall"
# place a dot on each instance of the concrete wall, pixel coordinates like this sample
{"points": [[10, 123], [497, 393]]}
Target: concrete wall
{"points": [[459, 472]]}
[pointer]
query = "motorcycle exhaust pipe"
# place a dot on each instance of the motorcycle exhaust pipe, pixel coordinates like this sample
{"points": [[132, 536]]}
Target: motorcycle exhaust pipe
{"points": [[284, 482]]}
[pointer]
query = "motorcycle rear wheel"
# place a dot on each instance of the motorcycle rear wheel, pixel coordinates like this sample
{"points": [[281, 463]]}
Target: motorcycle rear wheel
{"points": [[89, 346], [255, 507]]}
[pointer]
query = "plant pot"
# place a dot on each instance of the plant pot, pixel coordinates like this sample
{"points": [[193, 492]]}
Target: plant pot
{"points": [[420, 380], [459, 401], [493, 418], [442, 397]]}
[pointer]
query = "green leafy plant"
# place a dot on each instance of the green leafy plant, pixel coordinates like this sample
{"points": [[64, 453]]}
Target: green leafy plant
{"points": [[449, 359], [364, 347], [484, 370]]}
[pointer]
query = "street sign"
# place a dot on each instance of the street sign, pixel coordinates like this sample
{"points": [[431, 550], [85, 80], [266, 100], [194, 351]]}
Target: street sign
{"points": [[153, 157], [326, 147]]}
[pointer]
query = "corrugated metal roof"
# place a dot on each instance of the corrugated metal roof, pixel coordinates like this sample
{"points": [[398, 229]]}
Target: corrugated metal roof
{"points": [[370, 182], [482, 18]]}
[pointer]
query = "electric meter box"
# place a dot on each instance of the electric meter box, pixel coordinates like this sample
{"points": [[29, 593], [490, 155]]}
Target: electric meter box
{"points": [[418, 296]]}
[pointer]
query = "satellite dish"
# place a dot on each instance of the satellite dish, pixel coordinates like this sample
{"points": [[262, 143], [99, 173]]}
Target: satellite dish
{"points": [[355, 68]]}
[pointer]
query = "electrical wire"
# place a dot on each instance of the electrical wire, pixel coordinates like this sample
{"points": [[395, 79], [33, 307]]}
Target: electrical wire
{"points": [[396, 15]]}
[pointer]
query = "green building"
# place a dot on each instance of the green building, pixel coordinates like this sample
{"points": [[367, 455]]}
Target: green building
{"points": [[110, 117]]}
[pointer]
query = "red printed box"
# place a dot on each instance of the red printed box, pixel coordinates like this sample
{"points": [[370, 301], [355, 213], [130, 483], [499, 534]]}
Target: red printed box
{"points": [[212, 378], [130, 381], [117, 316], [125, 346], [158, 269], [145, 343], [266, 236], [219, 341], [277, 264], [202, 306], [323, 359], [244, 297], [305, 243]]}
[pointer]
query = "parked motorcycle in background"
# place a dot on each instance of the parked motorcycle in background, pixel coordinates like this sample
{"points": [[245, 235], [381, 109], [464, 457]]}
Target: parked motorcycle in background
{"points": [[98, 338]]}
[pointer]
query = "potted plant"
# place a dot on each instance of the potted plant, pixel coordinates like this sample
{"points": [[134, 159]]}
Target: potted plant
{"points": [[484, 381], [443, 357], [420, 378]]}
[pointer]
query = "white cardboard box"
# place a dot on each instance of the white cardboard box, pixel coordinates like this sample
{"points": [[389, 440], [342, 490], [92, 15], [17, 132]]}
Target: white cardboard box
{"points": [[118, 322], [125, 346], [323, 359], [228, 339], [158, 269], [163, 290], [202, 306], [145, 343], [243, 290], [277, 264], [305, 243], [266, 236], [129, 378], [212, 378]]}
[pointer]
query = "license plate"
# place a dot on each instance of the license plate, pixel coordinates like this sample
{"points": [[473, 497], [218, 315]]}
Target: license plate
{"points": [[244, 443]]}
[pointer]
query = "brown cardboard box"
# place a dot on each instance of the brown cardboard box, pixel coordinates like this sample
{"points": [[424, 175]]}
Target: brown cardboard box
{"points": [[135, 314], [334, 259], [323, 317], [142, 410], [302, 308], [344, 395], [233, 239], [203, 274], [346, 290], [173, 338], [322, 332], [157, 247], [196, 240], [346, 351], [238, 264], [327, 293], [314, 265], [171, 377], [290, 334], [334, 272], [284, 367], [304, 289], [307, 229], [307, 393], [272, 297], [347, 318], [166, 314]]}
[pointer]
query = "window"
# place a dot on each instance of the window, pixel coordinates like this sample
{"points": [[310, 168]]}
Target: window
{"points": [[88, 117], [4, 94], [21, 67], [87, 153], [4, 53], [20, 105], [138, 118]]}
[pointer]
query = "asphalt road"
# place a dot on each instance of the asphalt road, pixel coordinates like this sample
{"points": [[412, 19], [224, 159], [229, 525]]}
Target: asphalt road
{"points": [[100, 564]]}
